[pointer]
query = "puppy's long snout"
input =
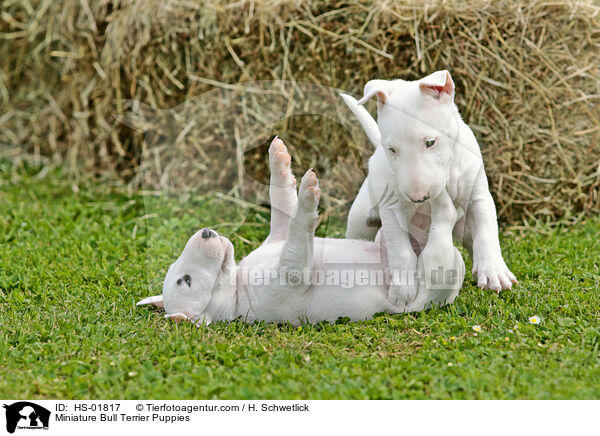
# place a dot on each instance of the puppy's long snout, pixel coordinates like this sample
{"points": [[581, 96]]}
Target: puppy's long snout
{"points": [[208, 233]]}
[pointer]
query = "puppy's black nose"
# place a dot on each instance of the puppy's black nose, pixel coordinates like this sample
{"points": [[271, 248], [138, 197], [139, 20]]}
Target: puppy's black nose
{"points": [[207, 233]]}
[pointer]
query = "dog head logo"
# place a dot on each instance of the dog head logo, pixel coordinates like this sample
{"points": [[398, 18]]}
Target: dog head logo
{"points": [[26, 415]]}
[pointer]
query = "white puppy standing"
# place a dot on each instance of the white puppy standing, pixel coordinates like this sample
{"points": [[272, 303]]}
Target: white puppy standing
{"points": [[205, 285], [424, 148]]}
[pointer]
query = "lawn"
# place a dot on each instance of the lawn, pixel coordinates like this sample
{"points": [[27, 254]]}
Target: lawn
{"points": [[75, 259]]}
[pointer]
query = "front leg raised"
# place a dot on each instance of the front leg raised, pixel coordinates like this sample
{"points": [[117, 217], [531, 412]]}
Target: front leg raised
{"points": [[482, 225]]}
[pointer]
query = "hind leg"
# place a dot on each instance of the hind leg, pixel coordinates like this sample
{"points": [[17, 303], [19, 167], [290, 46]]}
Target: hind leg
{"points": [[297, 252], [282, 190], [359, 216]]}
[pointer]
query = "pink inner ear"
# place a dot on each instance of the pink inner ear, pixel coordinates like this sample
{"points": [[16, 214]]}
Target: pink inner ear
{"points": [[437, 90]]}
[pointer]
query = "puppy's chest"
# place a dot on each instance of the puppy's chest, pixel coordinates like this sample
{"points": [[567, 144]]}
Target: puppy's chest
{"points": [[422, 217]]}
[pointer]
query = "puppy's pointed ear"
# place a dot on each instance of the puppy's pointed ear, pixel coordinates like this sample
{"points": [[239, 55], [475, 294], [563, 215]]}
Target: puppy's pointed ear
{"points": [[379, 88], [156, 300], [438, 85]]}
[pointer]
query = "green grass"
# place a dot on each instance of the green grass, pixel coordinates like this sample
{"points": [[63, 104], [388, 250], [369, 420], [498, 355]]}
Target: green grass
{"points": [[75, 260]]}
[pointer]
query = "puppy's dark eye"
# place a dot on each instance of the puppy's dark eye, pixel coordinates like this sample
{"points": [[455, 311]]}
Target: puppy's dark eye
{"points": [[392, 151], [429, 143], [187, 279]]}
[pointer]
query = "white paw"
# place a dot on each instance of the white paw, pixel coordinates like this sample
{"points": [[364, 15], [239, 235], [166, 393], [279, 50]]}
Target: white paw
{"points": [[280, 160], [493, 274], [402, 296], [405, 283], [309, 193]]}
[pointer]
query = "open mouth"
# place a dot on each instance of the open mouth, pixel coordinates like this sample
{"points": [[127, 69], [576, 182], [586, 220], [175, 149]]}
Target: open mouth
{"points": [[422, 200]]}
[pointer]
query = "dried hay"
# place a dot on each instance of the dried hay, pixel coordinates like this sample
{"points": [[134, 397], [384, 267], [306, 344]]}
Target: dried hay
{"points": [[527, 76]]}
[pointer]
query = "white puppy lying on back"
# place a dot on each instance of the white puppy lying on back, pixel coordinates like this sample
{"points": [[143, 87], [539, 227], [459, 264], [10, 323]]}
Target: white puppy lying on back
{"points": [[277, 281], [423, 148]]}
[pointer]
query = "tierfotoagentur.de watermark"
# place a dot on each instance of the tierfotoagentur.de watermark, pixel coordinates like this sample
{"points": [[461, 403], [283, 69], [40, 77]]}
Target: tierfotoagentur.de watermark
{"points": [[346, 278]]}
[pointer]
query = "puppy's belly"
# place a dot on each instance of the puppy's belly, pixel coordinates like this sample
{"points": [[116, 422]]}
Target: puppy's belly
{"points": [[328, 251], [355, 284], [348, 280], [357, 302]]}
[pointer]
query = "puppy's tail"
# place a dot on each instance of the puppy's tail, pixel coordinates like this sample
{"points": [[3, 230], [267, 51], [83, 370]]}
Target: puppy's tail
{"points": [[364, 117]]}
